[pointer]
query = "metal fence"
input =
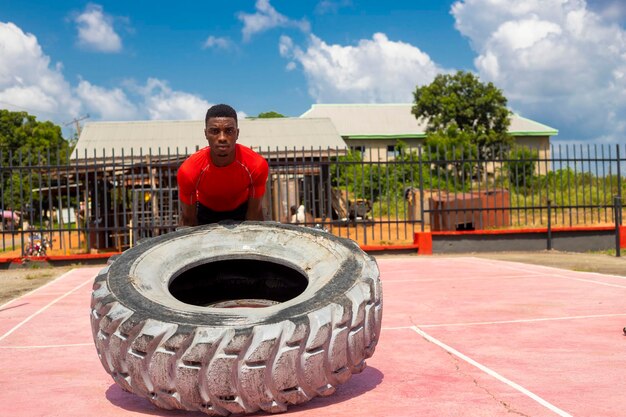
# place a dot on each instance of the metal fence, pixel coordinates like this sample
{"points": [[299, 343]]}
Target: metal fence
{"points": [[54, 204]]}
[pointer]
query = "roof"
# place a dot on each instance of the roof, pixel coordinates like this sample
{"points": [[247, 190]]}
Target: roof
{"points": [[384, 121], [181, 137]]}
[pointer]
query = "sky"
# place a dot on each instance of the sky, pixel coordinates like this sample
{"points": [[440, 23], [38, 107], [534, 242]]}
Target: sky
{"points": [[558, 62]]}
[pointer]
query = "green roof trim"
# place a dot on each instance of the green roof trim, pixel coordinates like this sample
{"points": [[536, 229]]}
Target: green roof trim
{"points": [[547, 130], [403, 136], [553, 132], [535, 133], [532, 127]]}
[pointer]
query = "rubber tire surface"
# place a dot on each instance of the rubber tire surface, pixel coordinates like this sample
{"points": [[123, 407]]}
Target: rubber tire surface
{"points": [[239, 360]]}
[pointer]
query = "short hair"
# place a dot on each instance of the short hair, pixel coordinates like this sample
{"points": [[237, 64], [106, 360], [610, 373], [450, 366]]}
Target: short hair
{"points": [[220, 110]]}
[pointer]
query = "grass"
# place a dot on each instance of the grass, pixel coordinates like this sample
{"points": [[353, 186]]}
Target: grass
{"points": [[608, 252], [39, 275]]}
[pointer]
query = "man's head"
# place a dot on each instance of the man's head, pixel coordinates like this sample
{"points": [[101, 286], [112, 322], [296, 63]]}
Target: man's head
{"points": [[222, 133], [220, 110]]}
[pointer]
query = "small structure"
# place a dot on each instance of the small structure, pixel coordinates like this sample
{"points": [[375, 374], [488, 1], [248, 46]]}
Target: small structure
{"points": [[469, 211]]}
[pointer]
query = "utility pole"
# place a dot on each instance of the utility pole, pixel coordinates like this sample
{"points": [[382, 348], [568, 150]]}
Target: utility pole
{"points": [[76, 123]]}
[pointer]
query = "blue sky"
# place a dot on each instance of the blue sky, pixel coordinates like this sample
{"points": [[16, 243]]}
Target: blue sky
{"points": [[559, 62]]}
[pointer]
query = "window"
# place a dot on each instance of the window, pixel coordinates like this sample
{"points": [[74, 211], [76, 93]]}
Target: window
{"points": [[392, 152], [360, 149]]}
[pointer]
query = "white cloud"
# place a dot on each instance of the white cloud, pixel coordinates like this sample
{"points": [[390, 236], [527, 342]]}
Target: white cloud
{"points": [[266, 18], [376, 70], [95, 30], [557, 61], [107, 104], [27, 80], [217, 42], [154, 100], [330, 6], [163, 103]]}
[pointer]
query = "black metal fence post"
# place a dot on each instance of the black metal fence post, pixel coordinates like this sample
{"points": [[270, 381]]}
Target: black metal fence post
{"points": [[618, 223], [618, 202], [549, 243], [421, 182]]}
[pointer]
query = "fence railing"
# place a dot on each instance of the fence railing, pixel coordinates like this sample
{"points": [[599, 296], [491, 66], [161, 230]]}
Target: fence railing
{"points": [[100, 202]]}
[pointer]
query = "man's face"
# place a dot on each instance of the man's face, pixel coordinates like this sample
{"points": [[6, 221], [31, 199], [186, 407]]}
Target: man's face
{"points": [[222, 133]]}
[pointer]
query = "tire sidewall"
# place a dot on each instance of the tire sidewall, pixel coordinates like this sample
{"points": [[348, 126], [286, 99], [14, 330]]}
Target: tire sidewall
{"points": [[130, 284]]}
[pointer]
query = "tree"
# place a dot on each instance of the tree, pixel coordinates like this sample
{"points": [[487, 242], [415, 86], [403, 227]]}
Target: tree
{"points": [[360, 180], [461, 101], [24, 140], [521, 166], [269, 115], [451, 154], [24, 143]]}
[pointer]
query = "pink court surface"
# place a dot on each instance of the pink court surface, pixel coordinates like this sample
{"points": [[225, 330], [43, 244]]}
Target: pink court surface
{"points": [[461, 337]]}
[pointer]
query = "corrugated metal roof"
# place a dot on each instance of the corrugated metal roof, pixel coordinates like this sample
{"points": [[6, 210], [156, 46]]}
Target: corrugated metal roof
{"points": [[396, 120], [185, 136]]}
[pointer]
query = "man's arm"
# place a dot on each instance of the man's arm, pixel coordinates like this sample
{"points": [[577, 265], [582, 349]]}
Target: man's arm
{"points": [[255, 209], [188, 214]]}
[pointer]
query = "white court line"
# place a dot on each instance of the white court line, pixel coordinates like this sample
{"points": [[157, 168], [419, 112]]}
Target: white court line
{"points": [[37, 289], [550, 268], [555, 272], [46, 346], [470, 278], [483, 323], [606, 284], [90, 280], [560, 274], [398, 328], [486, 323], [492, 373]]}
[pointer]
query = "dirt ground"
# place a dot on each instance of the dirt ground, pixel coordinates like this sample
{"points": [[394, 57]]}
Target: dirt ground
{"points": [[17, 281]]}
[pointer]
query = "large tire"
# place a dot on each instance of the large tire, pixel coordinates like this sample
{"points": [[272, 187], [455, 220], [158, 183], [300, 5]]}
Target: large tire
{"points": [[319, 317]]}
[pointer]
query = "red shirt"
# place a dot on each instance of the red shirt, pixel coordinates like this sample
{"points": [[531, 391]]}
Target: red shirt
{"points": [[222, 188]]}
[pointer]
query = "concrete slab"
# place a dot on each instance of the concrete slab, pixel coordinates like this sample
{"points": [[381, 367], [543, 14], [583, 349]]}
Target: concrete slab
{"points": [[461, 336]]}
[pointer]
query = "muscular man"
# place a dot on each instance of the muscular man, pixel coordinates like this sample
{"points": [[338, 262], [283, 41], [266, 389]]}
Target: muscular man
{"points": [[224, 181]]}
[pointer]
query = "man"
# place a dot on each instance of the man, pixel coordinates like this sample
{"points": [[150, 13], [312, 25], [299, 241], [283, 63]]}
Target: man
{"points": [[224, 181]]}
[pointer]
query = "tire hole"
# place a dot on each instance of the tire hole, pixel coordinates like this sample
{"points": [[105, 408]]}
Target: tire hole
{"points": [[168, 350], [229, 398], [238, 283], [340, 370], [315, 351], [193, 364], [138, 353], [257, 364]]}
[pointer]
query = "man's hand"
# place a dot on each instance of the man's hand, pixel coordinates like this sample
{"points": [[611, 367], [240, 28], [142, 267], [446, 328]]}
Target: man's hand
{"points": [[255, 209], [188, 215]]}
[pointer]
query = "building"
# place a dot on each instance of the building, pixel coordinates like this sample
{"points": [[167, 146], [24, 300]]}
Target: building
{"points": [[125, 172], [160, 138], [374, 129]]}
